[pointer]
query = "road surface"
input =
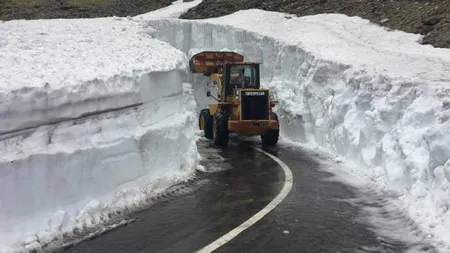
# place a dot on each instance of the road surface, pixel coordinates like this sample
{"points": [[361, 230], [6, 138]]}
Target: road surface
{"points": [[240, 181]]}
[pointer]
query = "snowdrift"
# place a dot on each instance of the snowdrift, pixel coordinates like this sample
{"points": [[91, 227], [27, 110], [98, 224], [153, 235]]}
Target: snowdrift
{"points": [[374, 96], [95, 118], [175, 10]]}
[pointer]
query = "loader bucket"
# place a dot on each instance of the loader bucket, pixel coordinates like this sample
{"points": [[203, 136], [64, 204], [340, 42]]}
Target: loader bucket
{"points": [[207, 61]]}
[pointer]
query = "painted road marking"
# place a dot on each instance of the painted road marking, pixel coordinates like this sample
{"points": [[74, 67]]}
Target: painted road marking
{"points": [[288, 178]]}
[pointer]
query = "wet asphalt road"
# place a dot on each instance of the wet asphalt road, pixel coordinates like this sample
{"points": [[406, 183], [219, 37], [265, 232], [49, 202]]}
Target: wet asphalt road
{"points": [[312, 218]]}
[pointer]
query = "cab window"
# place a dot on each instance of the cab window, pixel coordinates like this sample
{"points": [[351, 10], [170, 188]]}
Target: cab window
{"points": [[243, 76]]}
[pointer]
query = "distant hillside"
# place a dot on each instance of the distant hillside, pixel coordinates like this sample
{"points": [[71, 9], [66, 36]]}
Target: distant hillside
{"points": [[430, 18], [48, 9]]}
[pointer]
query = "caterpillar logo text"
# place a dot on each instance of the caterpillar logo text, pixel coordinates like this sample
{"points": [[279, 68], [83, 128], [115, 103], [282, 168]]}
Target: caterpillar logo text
{"points": [[254, 93]]}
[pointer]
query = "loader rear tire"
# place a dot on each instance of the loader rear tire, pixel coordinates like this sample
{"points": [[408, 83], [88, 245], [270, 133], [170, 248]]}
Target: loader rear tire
{"points": [[270, 137], [205, 123], [220, 130]]}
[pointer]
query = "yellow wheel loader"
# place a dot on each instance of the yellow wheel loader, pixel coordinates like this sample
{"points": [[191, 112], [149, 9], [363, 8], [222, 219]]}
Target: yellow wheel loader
{"points": [[242, 107]]}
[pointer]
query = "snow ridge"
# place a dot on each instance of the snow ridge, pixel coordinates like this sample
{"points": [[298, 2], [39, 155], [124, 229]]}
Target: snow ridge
{"points": [[58, 70], [343, 86], [99, 119]]}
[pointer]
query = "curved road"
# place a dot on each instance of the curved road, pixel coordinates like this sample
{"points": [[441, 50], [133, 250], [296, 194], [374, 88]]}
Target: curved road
{"points": [[314, 217]]}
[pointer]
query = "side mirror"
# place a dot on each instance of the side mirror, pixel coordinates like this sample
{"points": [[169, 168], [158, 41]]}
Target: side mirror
{"points": [[208, 94]]}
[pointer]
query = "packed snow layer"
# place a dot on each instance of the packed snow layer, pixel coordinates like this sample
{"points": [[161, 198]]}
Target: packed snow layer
{"points": [[374, 96], [95, 118], [54, 70]]}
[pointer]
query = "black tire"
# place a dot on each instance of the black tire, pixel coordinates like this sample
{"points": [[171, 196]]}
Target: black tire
{"points": [[208, 126], [220, 125], [270, 138]]}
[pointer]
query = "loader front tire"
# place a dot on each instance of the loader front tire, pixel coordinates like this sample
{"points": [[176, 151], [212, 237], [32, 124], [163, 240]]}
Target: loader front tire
{"points": [[270, 137], [205, 123], [220, 130]]}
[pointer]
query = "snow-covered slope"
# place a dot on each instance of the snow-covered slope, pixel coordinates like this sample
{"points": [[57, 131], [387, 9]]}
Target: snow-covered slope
{"points": [[95, 118], [374, 96], [52, 69], [174, 10]]}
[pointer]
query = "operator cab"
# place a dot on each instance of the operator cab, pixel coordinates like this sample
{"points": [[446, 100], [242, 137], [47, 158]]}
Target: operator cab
{"points": [[241, 75]]}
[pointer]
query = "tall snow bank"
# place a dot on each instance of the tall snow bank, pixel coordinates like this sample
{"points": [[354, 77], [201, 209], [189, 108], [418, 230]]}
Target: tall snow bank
{"points": [[53, 70], [95, 117], [374, 96]]}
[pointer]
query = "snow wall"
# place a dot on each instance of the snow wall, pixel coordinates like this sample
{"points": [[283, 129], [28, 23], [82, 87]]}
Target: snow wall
{"points": [[95, 118], [378, 98]]}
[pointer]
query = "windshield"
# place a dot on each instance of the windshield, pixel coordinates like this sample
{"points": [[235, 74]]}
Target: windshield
{"points": [[243, 76]]}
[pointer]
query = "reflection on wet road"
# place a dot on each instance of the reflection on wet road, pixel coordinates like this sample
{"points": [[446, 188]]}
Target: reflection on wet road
{"points": [[238, 183]]}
